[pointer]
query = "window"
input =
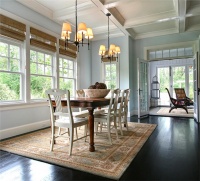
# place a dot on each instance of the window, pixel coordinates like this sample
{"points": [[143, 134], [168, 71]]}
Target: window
{"points": [[41, 70], [10, 71], [67, 75], [177, 52], [110, 74]]}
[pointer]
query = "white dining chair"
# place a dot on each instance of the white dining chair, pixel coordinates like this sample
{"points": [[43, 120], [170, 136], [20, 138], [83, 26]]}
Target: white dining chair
{"points": [[107, 120], [81, 112], [122, 110], [60, 119]]}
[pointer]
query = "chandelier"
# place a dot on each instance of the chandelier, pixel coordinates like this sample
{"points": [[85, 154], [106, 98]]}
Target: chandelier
{"points": [[81, 31], [111, 54]]}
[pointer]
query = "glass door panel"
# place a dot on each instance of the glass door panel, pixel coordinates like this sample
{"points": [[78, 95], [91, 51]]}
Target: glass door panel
{"points": [[178, 77], [143, 104], [164, 80], [191, 83]]}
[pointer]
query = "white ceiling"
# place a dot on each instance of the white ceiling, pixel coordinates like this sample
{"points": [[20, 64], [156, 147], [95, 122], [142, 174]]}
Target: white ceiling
{"points": [[137, 18]]}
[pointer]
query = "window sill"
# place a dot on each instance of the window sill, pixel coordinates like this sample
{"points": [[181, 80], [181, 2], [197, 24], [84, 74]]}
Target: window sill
{"points": [[22, 105]]}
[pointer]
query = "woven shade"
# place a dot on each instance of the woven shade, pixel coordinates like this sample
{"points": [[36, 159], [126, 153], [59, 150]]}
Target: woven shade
{"points": [[70, 51], [42, 40], [12, 28]]}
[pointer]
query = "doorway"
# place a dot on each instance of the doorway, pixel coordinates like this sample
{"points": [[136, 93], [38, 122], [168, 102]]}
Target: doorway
{"points": [[175, 76]]}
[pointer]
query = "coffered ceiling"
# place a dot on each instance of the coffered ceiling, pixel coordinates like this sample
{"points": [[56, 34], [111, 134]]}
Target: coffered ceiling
{"points": [[137, 18]]}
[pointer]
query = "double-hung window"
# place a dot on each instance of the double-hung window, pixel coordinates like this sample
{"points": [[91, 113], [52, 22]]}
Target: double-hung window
{"points": [[10, 71], [111, 74], [41, 73], [67, 75]]}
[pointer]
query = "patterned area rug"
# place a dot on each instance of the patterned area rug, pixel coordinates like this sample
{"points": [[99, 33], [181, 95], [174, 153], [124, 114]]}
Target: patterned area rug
{"points": [[176, 112], [107, 161]]}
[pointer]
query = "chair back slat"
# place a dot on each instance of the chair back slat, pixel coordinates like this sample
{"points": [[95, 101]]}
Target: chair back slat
{"points": [[114, 95], [57, 95]]}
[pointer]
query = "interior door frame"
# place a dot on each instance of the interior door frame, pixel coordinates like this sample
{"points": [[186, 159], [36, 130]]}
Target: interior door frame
{"points": [[196, 87]]}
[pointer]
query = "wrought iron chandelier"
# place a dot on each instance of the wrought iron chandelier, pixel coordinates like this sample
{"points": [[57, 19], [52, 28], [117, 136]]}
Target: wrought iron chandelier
{"points": [[111, 54], [81, 31]]}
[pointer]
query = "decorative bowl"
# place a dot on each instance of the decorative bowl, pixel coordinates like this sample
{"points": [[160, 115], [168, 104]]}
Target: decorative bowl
{"points": [[96, 93]]}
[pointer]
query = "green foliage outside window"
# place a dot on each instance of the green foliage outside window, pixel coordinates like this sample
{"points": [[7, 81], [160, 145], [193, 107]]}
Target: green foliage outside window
{"points": [[111, 76], [9, 72], [41, 66], [66, 75], [9, 86]]}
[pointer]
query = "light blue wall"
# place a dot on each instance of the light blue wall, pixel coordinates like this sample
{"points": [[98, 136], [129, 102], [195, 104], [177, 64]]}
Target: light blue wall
{"points": [[84, 70]]}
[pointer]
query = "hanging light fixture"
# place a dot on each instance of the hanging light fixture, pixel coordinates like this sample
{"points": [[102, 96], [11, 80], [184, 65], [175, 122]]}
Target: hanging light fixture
{"points": [[113, 52], [81, 31]]}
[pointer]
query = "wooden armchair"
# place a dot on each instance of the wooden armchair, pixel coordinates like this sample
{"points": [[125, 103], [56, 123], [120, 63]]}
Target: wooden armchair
{"points": [[181, 95], [177, 103]]}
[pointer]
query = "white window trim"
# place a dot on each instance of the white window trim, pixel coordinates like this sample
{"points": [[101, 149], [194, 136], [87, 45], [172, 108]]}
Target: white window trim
{"points": [[103, 72], [32, 48], [75, 64]]}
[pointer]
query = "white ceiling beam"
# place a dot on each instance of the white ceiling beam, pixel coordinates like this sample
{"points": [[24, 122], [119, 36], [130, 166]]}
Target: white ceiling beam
{"points": [[182, 15], [117, 15], [117, 22], [131, 32]]}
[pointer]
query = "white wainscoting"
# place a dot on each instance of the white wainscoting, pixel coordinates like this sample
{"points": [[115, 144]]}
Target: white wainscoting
{"points": [[7, 133]]}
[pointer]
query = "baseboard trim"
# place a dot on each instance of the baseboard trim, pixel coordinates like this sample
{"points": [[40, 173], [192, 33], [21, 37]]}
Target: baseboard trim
{"points": [[7, 133]]}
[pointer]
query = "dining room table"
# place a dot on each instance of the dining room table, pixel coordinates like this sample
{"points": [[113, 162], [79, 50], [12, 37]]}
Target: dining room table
{"points": [[90, 104]]}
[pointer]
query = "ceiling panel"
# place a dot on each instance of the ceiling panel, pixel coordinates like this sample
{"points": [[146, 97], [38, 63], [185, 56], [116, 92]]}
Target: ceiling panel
{"points": [[137, 18]]}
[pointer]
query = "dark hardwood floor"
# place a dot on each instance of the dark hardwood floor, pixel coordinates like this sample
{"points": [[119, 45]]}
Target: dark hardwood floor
{"points": [[171, 153]]}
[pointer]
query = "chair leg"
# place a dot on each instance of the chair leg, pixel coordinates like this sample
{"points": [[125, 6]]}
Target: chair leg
{"points": [[125, 121], [59, 131], [71, 140], [185, 108], [52, 138], [120, 124], [109, 134], [172, 109], [115, 126], [76, 133], [85, 132]]}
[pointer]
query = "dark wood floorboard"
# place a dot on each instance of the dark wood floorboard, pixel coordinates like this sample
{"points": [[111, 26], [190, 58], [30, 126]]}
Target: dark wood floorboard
{"points": [[171, 153]]}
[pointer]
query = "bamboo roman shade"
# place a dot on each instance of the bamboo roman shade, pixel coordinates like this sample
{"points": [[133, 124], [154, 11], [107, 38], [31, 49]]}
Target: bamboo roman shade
{"points": [[70, 51], [42, 40], [12, 28]]}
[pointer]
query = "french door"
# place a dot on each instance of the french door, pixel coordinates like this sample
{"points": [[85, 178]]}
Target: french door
{"points": [[196, 88], [175, 77], [143, 101]]}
